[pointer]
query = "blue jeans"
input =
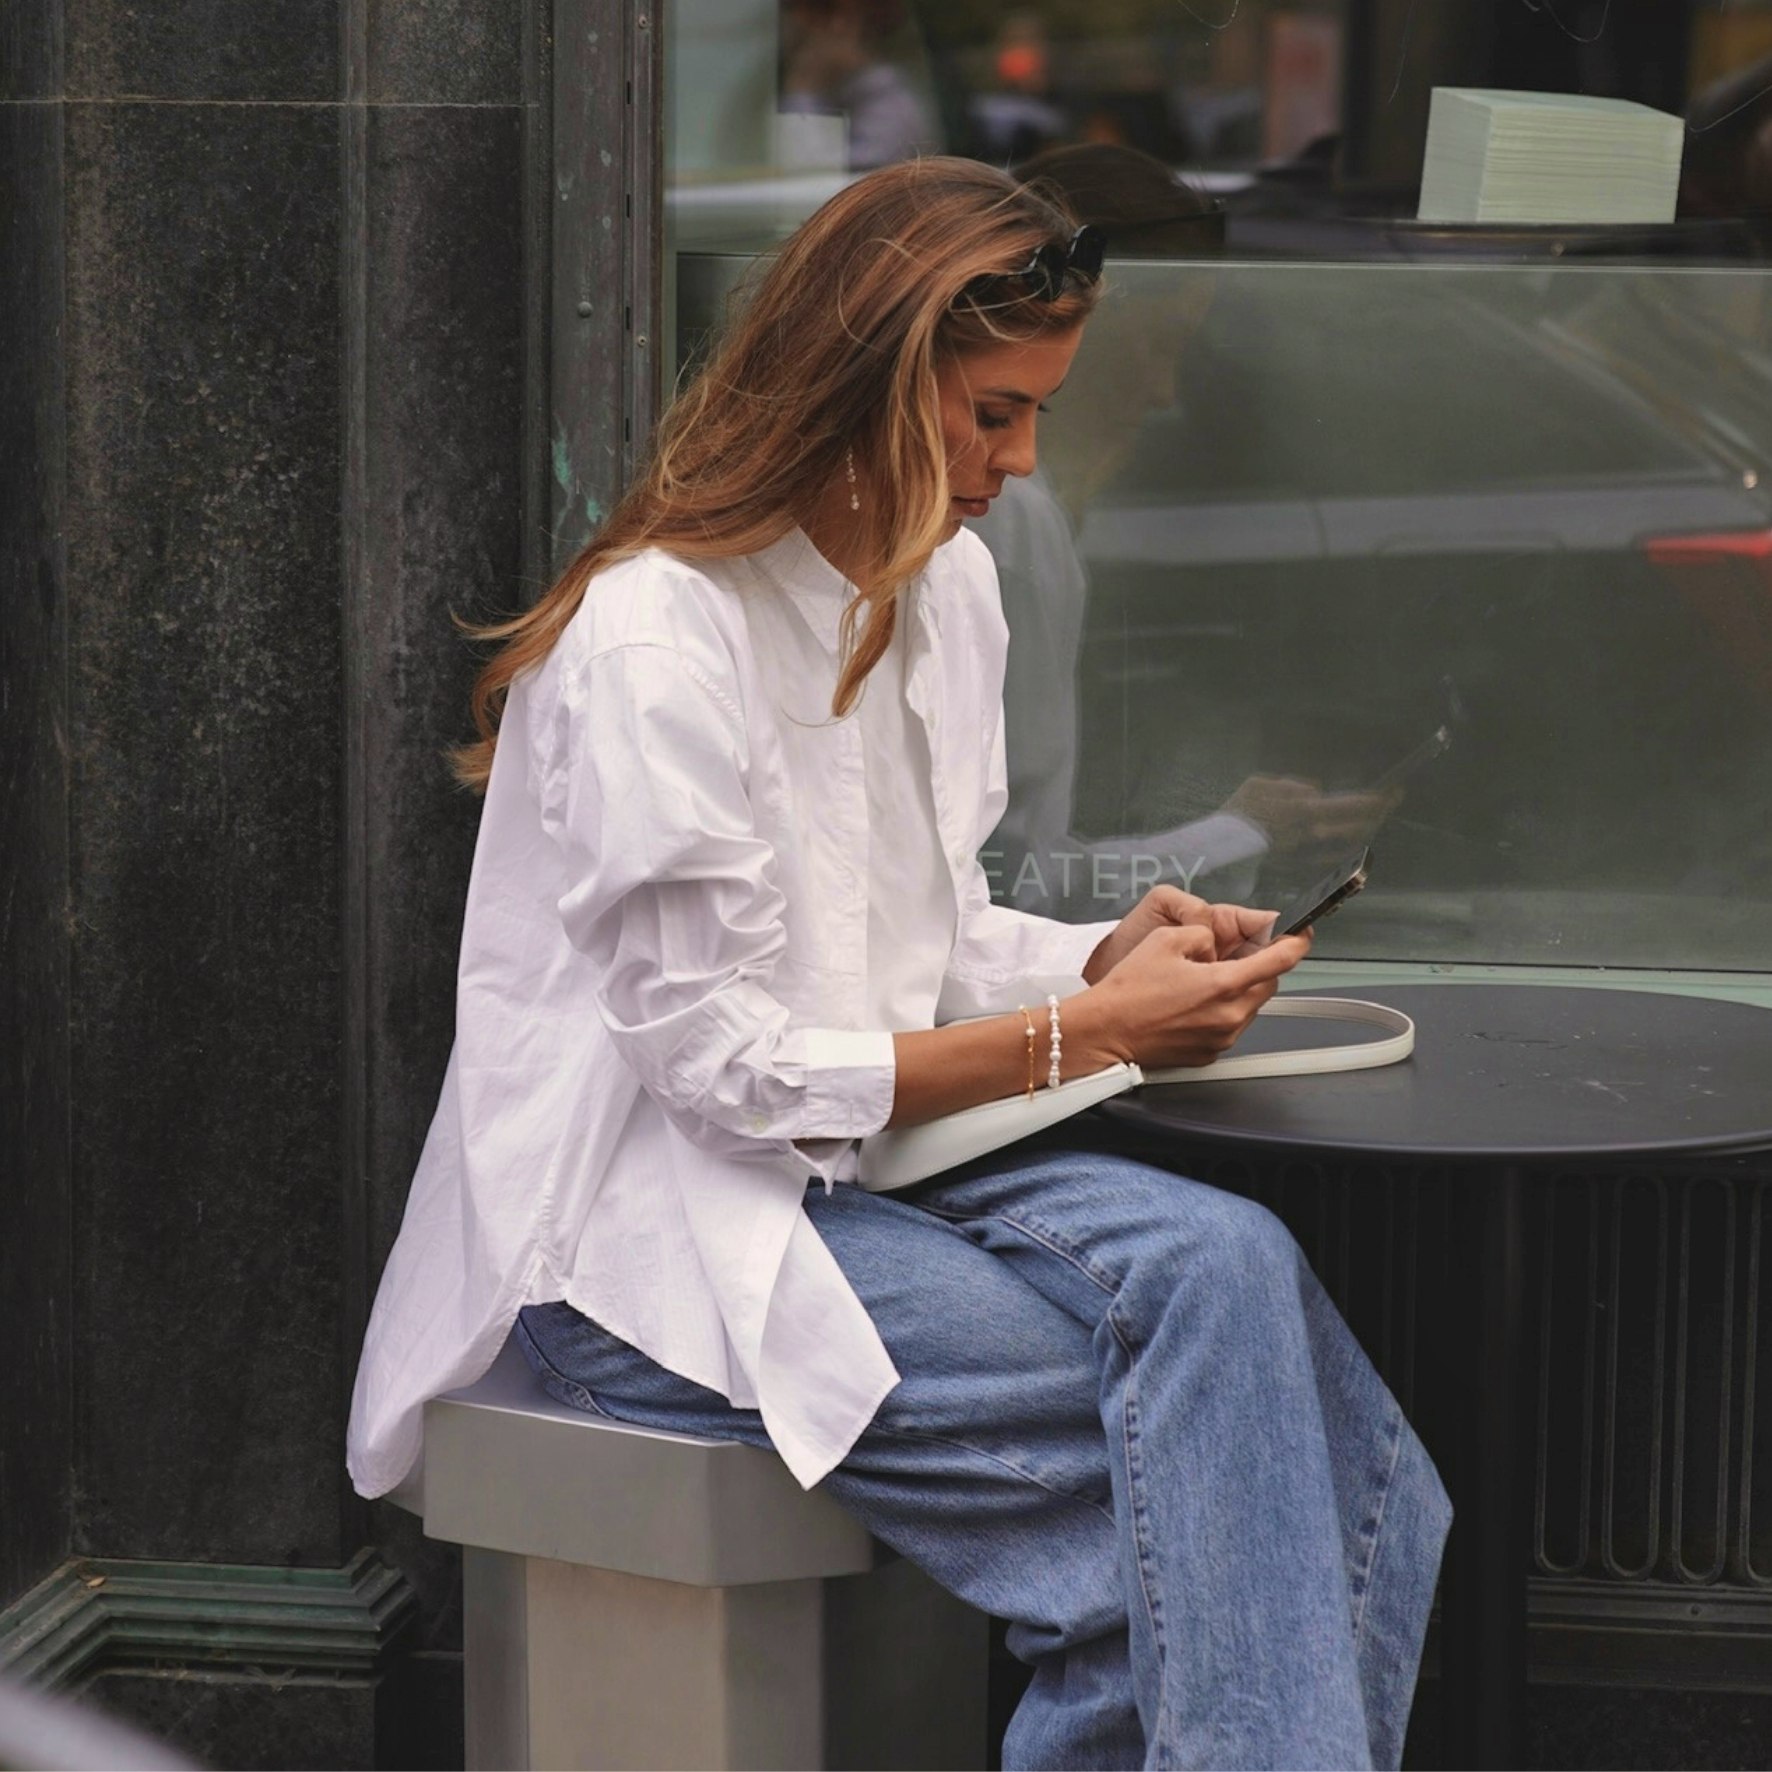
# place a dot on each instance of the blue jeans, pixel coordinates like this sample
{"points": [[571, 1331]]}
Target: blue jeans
{"points": [[1133, 1425]]}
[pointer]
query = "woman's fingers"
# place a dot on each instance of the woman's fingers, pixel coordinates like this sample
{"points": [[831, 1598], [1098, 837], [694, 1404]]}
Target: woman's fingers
{"points": [[1270, 962], [1255, 979], [1229, 978], [1178, 1003], [1176, 906], [1250, 923], [1211, 1027], [1237, 926], [1162, 908], [1187, 941]]}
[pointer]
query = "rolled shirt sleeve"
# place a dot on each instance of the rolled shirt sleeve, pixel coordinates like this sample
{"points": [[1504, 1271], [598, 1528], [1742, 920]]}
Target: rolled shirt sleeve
{"points": [[644, 786]]}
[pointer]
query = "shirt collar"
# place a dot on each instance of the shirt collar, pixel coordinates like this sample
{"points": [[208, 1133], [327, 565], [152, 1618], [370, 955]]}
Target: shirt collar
{"points": [[818, 590], [821, 593]]}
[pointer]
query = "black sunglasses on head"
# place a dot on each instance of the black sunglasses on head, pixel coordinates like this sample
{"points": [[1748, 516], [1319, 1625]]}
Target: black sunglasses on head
{"points": [[1044, 274]]}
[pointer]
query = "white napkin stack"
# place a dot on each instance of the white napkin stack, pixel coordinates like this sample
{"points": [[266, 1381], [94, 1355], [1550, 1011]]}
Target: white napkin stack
{"points": [[1547, 157]]}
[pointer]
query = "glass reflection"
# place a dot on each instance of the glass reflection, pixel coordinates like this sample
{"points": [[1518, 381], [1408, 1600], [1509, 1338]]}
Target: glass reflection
{"points": [[1307, 117], [838, 63], [1528, 507], [1456, 538], [1292, 521], [1126, 371]]}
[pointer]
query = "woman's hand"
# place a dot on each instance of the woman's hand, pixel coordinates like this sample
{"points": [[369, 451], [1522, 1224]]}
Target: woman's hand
{"points": [[1230, 926], [1164, 990], [1172, 1000]]}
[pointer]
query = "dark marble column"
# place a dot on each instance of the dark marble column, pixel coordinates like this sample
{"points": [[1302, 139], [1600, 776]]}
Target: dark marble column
{"points": [[204, 594], [262, 419], [36, 1289], [439, 430]]}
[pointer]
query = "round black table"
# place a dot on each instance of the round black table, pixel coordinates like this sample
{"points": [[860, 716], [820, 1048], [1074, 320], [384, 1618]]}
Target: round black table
{"points": [[1506, 1081]]}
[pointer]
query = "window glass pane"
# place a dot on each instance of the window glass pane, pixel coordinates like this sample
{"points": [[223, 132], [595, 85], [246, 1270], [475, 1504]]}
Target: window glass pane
{"points": [[1307, 119], [1474, 562], [1458, 540]]}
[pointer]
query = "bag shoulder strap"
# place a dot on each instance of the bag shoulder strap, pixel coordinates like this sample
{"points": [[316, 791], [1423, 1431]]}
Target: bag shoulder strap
{"points": [[1397, 1042]]}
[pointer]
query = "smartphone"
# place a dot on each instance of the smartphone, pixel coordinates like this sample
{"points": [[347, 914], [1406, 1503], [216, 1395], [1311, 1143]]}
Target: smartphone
{"points": [[1327, 895]]}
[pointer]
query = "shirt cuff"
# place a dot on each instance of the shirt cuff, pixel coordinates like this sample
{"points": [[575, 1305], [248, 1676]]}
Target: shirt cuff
{"points": [[1071, 948], [850, 1078]]}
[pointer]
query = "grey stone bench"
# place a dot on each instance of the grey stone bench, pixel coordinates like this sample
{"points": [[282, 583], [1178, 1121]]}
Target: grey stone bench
{"points": [[638, 1599]]}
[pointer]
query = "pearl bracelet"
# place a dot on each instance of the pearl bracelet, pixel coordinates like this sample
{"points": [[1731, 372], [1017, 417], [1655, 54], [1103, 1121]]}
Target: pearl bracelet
{"points": [[1056, 1048]]}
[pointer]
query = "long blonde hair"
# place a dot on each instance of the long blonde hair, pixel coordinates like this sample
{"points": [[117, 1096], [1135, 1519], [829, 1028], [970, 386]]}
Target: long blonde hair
{"points": [[836, 350]]}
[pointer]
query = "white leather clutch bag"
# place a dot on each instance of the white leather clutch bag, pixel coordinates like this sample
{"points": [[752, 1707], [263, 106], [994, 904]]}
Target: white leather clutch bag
{"points": [[910, 1154], [913, 1153]]}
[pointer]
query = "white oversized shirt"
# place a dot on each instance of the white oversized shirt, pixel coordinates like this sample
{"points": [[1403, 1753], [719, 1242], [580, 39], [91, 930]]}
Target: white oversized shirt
{"points": [[910, 892], [662, 1023]]}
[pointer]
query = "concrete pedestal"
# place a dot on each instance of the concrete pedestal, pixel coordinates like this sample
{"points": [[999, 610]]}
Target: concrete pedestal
{"points": [[636, 1599]]}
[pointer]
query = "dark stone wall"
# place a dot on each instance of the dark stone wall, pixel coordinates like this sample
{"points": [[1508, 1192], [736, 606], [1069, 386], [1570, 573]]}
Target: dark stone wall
{"points": [[262, 427], [244, 1724], [35, 1243], [442, 443], [204, 596], [442, 425], [444, 52], [30, 50], [204, 51]]}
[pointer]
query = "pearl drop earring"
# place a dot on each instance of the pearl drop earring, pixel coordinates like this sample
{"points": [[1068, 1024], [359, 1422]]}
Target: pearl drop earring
{"points": [[849, 471]]}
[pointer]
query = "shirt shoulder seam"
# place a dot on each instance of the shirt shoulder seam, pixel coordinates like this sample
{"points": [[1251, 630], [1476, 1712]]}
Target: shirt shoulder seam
{"points": [[709, 685]]}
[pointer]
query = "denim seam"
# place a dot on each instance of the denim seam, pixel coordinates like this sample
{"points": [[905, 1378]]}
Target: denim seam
{"points": [[1056, 1245], [555, 1382], [1375, 1529], [1138, 1524], [901, 1433], [1048, 1240]]}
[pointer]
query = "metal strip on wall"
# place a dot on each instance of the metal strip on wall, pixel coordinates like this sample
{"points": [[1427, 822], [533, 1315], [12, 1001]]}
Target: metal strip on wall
{"points": [[606, 258]]}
